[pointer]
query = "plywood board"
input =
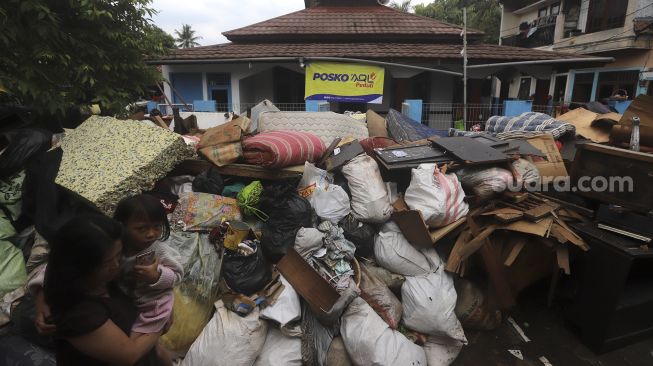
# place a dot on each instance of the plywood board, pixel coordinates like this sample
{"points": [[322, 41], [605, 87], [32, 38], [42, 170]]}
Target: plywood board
{"points": [[470, 151], [309, 284]]}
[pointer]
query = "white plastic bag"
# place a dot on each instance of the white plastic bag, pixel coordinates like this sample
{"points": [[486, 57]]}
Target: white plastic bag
{"points": [[429, 303], [369, 340], [287, 307], [369, 198], [438, 196], [485, 182], [312, 179], [280, 350], [394, 253], [441, 351], [331, 203], [228, 339]]}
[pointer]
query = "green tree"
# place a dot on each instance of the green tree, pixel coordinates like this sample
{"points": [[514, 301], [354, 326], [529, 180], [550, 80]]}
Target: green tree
{"points": [[164, 39], [404, 6], [484, 15], [59, 54], [186, 37]]}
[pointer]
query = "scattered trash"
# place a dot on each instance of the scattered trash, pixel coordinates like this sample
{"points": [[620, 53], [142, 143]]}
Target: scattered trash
{"points": [[545, 361], [517, 353], [518, 330]]}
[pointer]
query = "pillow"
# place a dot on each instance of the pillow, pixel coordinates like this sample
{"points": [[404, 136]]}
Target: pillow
{"points": [[376, 124], [282, 148]]}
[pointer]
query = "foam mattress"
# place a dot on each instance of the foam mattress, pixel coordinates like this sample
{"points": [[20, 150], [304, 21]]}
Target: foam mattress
{"points": [[325, 125]]}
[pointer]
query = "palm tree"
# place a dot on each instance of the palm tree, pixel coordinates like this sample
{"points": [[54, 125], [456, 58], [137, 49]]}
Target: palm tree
{"points": [[186, 38], [403, 6]]}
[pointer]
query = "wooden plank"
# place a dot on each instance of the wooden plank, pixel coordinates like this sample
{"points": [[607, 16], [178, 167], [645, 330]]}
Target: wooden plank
{"points": [[497, 276], [440, 233], [568, 233], [477, 242], [517, 247], [257, 172], [455, 260], [579, 209], [159, 121], [562, 256], [540, 228], [556, 232]]}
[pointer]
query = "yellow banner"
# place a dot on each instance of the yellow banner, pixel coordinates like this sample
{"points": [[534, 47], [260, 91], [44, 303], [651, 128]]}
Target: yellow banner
{"points": [[340, 82]]}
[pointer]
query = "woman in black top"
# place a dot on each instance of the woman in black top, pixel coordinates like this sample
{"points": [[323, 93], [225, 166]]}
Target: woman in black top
{"points": [[93, 319]]}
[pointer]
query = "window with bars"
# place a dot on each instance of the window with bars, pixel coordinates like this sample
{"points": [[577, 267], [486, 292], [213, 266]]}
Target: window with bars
{"points": [[606, 14]]}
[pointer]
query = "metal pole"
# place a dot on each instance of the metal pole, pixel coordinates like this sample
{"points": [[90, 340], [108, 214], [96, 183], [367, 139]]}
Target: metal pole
{"points": [[465, 67]]}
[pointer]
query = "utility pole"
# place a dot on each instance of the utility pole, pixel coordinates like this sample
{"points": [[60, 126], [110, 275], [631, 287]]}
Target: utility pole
{"points": [[465, 67]]}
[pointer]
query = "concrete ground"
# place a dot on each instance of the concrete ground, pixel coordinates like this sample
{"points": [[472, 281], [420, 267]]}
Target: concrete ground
{"points": [[550, 337]]}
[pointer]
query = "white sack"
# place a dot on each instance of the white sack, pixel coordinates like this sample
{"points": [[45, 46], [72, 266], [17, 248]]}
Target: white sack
{"points": [[429, 303], [308, 240], [394, 253], [331, 203], [438, 196], [228, 339], [369, 198], [287, 307], [485, 182], [441, 351], [280, 350], [525, 173], [369, 340]]}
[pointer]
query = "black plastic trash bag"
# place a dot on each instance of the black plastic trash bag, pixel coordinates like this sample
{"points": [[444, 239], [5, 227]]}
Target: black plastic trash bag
{"points": [[287, 212], [361, 234], [246, 274], [22, 145], [208, 181]]}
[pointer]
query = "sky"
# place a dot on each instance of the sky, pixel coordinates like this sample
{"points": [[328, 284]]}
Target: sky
{"points": [[209, 18]]}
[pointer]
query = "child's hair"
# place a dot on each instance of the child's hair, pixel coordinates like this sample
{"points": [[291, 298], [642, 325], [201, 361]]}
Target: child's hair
{"points": [[77, 250], [143, 206]]}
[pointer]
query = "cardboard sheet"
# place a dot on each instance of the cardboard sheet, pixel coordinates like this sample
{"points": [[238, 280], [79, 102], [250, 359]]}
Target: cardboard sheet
{"points": [[553, 166], [584, 121], [540, 228], [641, 107]]}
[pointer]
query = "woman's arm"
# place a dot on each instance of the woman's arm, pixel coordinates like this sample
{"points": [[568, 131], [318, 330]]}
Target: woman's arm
{"points": [[111, 345]]}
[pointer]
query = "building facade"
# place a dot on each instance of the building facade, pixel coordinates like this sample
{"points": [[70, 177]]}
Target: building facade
{"points": [[422, 58], [620, 29]]}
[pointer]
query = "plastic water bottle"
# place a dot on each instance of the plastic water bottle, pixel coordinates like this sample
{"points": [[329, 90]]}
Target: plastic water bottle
{"points": [[634, 136]]}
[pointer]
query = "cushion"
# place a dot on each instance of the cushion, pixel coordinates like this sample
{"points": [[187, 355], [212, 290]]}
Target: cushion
{"points": [[376, 124], [326, 125], [279, 149], [105, 159]]}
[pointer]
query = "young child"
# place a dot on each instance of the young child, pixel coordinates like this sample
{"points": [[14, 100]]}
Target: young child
{"points": [[150, 268]]}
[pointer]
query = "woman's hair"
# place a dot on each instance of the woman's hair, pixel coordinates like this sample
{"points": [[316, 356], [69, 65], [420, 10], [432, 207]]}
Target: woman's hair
{"points": [[144, 207], [77, 250]]}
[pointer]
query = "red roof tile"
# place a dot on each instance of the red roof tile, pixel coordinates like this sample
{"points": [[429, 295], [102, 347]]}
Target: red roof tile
{"points": [[351, 23], [373, 51]]}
